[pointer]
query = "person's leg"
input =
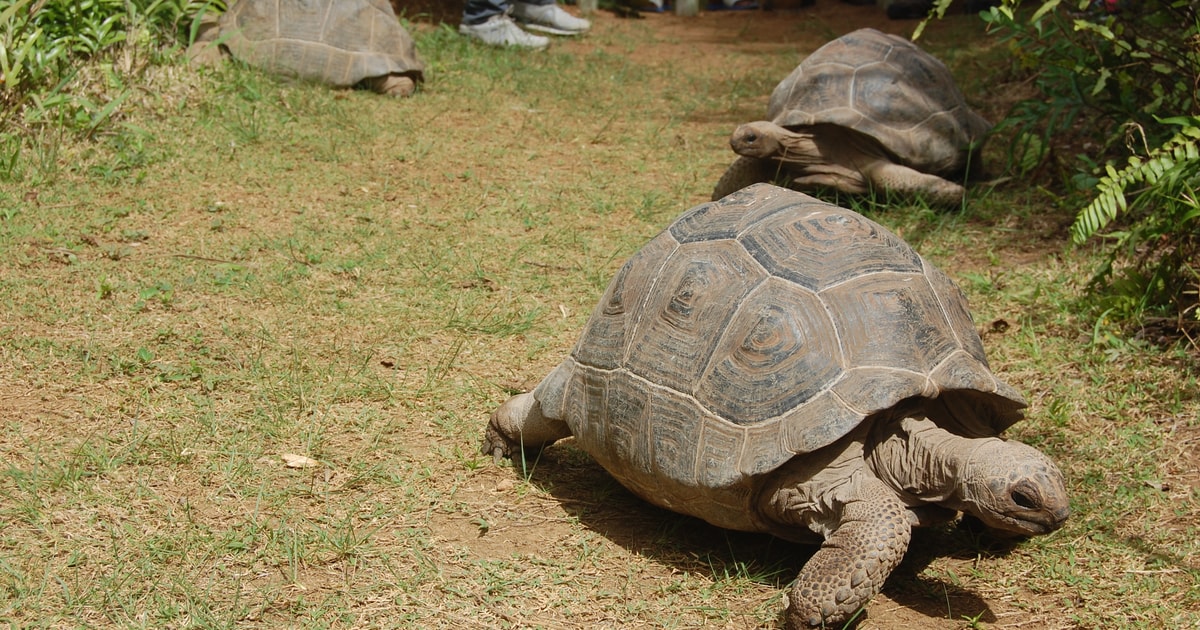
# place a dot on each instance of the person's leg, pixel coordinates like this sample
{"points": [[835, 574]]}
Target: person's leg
{"points": [[480, 11]]}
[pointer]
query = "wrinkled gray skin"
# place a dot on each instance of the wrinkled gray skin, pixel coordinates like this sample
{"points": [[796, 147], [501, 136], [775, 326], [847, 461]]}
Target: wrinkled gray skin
{"points": [[827, 156], [863, 501]]}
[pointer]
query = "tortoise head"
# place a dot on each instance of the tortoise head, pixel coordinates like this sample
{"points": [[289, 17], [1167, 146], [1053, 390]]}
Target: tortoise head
{"points": [[759, 139], [1008, 485], [1013, 487]]}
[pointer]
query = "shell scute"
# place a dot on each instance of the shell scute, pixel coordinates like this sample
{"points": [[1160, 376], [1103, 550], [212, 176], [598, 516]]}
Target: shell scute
{"points": [[780, 350], [604, 341], [961, 370], [870, 389], [886, 87], [674, 438], [827, 246], [893, 320], [728, 218], [626, 424], [954, 308], [678, 327], [817, 423]]}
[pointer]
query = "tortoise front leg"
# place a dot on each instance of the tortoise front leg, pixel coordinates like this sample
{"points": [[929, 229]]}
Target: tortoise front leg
{"points": [[866, 545], [745, 171], [519, 424]]}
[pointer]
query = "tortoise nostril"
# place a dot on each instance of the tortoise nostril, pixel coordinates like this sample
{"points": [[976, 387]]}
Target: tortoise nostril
{"points": [[1024, 500]]}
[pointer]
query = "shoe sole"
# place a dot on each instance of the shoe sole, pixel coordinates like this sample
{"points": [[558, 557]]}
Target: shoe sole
{"points": [[542, 28], [476, 37]]}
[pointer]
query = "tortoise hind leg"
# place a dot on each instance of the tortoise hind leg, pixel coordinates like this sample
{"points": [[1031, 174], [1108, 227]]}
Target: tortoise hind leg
{"points": [[519, 424], [397, 85], [910, 182]]}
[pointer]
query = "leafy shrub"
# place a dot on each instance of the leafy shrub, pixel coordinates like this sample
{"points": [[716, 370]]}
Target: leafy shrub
{"points": [[42, 46], [1160, 243], [1096, 70], [1121, 78]]}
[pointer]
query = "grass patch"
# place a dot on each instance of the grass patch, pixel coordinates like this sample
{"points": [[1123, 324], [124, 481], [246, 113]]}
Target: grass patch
{"points": [[246, 268]]}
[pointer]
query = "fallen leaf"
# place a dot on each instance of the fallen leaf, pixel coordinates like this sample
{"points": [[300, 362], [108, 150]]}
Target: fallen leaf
{"points": [[298, 461]]}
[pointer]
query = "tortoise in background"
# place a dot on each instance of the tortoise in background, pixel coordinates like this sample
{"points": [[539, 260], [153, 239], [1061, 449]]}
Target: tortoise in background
{"points": [[773, 363], [867, 111], [341, 43]]}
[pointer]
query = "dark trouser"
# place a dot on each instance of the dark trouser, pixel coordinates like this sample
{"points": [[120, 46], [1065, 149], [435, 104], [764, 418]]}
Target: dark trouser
{"points": [[479, 11]]}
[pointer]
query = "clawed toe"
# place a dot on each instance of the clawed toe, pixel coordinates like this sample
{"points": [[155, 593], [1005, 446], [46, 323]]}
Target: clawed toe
{"points": [[495, 444]]}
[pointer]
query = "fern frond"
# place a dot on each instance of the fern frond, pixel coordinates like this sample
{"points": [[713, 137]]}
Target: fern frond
{"points": [[1179, 155]]}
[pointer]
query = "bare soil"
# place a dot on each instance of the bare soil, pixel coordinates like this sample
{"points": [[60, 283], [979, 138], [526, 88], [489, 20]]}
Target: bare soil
{"points": [[265, 288]]}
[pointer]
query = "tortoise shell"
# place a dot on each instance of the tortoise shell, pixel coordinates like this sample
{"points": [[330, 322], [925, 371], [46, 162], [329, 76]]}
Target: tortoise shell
{"points": [[338, 42], [756, 329], [889, 89]]}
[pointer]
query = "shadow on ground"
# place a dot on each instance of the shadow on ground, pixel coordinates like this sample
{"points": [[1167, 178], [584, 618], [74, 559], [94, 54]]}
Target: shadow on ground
{"points": [[587, 492], [433, 11]]}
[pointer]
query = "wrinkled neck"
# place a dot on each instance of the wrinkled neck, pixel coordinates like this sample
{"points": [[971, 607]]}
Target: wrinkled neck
{"points": [[798, 148], [922, 462]]}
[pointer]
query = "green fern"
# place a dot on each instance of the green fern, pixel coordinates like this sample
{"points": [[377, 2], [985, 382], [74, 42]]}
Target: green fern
{"points": [[1163, 168]]}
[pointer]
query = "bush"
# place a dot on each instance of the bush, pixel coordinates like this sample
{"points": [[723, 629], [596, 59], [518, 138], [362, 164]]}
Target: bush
{"points": [[1122, 76], [1160, 243], [43, 44], [1097, 71]]}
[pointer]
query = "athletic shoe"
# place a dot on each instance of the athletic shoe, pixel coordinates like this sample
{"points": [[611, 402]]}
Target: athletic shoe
{"points": [[548, 18], [500, 30]]}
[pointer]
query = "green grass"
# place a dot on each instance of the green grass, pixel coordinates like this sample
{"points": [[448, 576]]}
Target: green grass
{"points": [[243, 269]]}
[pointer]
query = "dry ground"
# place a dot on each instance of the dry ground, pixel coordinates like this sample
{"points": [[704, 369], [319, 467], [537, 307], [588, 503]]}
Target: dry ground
{"points": [[285, 270]]}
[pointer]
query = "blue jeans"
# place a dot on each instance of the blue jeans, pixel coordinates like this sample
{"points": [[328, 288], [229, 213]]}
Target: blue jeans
{"points": [[480, 11]]}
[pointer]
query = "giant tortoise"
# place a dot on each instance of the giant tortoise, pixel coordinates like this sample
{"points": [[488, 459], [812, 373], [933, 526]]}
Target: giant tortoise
{"points": [[342, 43], [773, 363], [867, 111]]}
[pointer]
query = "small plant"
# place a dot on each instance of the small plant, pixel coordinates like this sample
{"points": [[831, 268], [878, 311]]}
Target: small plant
{"points": [[973, 621], [42, 45], [1170, 168], [1109, 77], [1151, 269]]}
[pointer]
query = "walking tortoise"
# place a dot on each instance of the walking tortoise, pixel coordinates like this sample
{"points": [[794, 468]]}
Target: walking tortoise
{"points": [[867, 111], [341, 43], [773, 363]]}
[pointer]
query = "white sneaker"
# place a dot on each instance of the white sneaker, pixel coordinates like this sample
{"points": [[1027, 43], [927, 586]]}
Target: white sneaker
{"points": [[500, 30], [548, 18]]}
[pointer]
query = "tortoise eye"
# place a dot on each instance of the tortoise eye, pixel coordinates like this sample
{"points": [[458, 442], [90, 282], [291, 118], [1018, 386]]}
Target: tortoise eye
{"points": [[1024, 500]]}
